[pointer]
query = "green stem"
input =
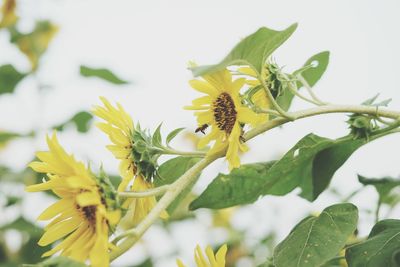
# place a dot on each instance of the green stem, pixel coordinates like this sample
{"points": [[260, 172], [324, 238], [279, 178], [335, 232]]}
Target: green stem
{"points": [[173, 191], [273, 101], [378, 209], [322, 110], [310, 90], [195, 154], [148, 193], [293, 89], [191, 175]]}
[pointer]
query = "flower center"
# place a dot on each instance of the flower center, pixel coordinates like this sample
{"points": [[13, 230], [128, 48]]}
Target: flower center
{"points": [[90, 214], [225, 112]]}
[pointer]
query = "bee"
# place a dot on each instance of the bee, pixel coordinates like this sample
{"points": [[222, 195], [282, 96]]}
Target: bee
{"points": [[201, 129]]}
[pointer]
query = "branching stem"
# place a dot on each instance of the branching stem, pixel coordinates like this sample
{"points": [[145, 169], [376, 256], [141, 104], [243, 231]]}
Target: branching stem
{"points": [[133, 235]]}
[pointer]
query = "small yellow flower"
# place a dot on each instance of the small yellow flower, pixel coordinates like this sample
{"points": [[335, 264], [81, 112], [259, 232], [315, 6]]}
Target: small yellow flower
{"points": [[217, 260], [222, 109], [119, 127], [9, 18], [80, 217]]}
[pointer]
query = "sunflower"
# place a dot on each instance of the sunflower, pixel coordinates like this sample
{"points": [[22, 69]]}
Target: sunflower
{"points": [[81, 217], [222, 109], [217, 260], [119, 127]]}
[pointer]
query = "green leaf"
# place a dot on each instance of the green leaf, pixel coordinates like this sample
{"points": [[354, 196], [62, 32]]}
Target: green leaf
{"points": [[380, 249], [241, 186], [172, 135], [82, 121], [383, 186], [310, 165], [9, 78], [315, 240], [252, 50], [312, 75], [371, 102], [101, 73], [319, 63], [157, 139], [58, 262], [170, 171]]}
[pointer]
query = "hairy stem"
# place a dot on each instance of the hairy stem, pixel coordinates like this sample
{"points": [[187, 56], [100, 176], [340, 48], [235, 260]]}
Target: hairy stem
{"points": [[310, 90], [189, 177], [173, 191], [323, 110]]}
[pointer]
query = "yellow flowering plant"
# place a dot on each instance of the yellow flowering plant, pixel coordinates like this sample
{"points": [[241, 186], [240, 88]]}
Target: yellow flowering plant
{"points": [[95, 217]]}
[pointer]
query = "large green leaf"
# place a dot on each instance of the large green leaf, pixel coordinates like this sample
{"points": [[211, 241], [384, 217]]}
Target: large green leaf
{"points": [[9, 78], [315, 240], [312, 75], [241, 186], [384, 187], [380, 249], [170, 171], [101, 73], [82, 121], [310, 165], [252, 50]]}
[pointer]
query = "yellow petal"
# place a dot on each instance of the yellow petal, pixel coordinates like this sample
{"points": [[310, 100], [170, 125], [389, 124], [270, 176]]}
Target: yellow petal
{"points": [[208, 138], [204, 87], [113, 217], [247, 71], [58, 231], [220, 256], [245, 115], [88, 199], [204, 100], [210, 256], [179, 263], [55, 209]]}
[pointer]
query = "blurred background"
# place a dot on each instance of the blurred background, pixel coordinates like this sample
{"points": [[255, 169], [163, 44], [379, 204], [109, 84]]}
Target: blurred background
{"points": [[141, 49]]}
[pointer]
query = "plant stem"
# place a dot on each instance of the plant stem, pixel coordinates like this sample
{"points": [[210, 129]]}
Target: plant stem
{"points": [[378, 209], [294, 90], [310, 90], [322, 110], [173, 191], [148, 193], [192, 174], [273, 102], [196, 154]]}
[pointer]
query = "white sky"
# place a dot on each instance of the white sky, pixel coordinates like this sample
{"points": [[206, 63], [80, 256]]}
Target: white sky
{"points": [[150, 43]]}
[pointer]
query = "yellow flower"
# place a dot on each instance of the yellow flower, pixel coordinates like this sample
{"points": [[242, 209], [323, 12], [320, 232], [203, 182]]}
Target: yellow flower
{"points": [[217, 260], [119, 127], [222, 109], [9, 18], [260, 98], [80, 216]]}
